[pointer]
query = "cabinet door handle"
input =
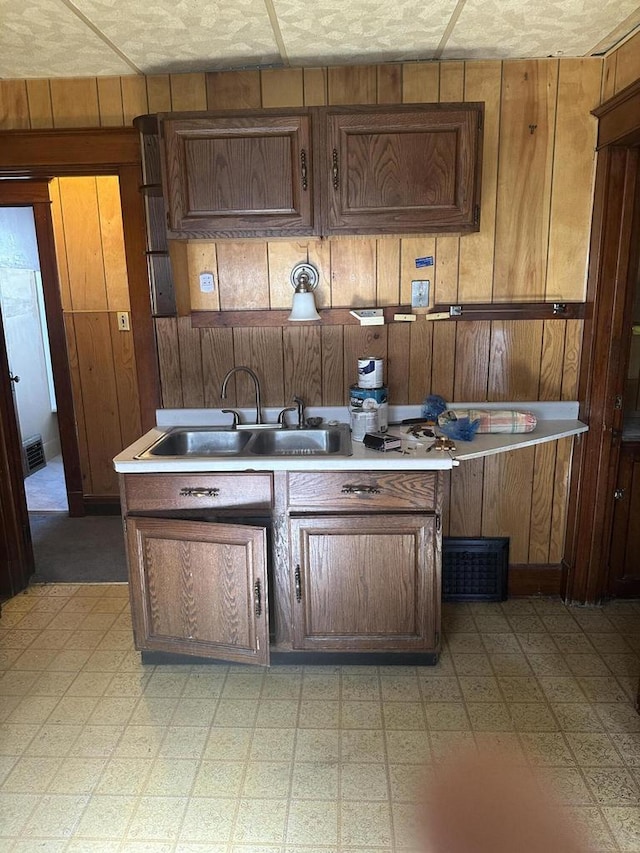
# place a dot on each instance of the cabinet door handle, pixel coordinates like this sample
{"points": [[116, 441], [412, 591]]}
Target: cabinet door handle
{"points": [[298, 584], [336, 173], [257, 598], [198, 492], [350, 489], [303, 168]]}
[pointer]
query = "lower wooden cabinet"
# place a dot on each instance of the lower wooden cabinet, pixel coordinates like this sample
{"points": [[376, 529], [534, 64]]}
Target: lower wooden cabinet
{"points": [[199, 588], [365, 582]]}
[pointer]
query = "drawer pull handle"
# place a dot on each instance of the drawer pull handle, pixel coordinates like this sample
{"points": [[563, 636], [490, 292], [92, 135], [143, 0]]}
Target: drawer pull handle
{"points": [[298, 584], [360, 490], [198, 492], [257, 598]]}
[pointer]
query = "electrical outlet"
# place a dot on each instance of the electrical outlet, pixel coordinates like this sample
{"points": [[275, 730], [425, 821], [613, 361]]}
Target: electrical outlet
{"points": [[420, 294], [123, 321], [207, 282]]}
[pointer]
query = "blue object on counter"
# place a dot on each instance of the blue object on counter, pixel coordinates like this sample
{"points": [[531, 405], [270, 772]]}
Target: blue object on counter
{"points": [[433, 406], [462, 429]]}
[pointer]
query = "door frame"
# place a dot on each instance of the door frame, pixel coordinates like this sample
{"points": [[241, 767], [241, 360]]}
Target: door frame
{"points": [[613, 262]]}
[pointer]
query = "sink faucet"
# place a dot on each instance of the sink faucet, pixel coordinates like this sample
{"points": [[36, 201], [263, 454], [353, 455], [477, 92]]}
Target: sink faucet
{"points": [[300, 407], [256, 382]]}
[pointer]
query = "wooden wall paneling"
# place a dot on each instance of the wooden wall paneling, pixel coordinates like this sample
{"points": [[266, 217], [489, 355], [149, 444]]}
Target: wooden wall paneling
{"points": [[237, 90], [110, 102], [333, 390], [542, 502], [627, 63], [483, 82], [387, 271], [552, 362], [465, 510], [443, 360], [14, 105], [446, 503], [410, 249], [398, 349], [243, 275], [451, 82], [302, 364], [420, 348], [202, 257], [574, 152], [79, 204], [361, 341], [261, 350], [420, 82], [74, 102], [134, 97], [319, 254], [217, 360], [506, 499], [78, 403], [158, 93], [99, 397], [169, 362], [57, 220], [112, 239], [473, 343], [608, 87], [352, 84], [353, 272], [179, 257], [389, 83], [282, 87], [39, 96], [126, 382], [315, 87], [514, 365], [282, 256], [572, 355], [564, 448], [188, 92], [524, 179], [190, 364]]}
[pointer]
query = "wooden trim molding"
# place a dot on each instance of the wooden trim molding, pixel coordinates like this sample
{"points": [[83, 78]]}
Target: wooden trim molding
{"points": [[534, 579], [618, 118], [53, 152]]}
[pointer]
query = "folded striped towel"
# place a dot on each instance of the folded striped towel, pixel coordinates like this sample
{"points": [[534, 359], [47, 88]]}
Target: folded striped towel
{"points": [[490, 420]]}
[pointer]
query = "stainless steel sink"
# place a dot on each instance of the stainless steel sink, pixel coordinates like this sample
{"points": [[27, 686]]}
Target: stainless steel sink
{"points": [[194, 442], [302, 442]]}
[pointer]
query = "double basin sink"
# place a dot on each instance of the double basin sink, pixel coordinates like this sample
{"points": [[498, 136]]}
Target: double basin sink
{"points": [[204, 442]]}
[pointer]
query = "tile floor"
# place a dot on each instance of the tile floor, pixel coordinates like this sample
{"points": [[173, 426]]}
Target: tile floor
{"points": [[99, 753]]}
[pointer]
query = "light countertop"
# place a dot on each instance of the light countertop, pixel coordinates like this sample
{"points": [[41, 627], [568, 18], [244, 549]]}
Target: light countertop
{"points": [[555, 420]]}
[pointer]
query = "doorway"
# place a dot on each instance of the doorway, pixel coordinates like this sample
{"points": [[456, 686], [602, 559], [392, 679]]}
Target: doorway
{"points": [[29, 356]]}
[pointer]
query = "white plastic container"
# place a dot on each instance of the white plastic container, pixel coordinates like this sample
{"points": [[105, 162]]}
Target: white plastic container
{"points": [[370, 372]]}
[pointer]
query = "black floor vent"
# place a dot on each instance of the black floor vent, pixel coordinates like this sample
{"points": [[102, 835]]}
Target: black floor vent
{"points": [[33, 454], [474, 569]]}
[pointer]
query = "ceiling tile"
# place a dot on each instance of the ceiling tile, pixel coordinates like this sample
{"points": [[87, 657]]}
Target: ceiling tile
{"points": [[334, 31], [43, 38], [519, 29], [186, 35]]}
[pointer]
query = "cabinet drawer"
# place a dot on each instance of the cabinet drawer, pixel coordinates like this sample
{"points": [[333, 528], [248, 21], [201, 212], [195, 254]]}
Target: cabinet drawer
{"points": [[363, 490], [148, 492]]}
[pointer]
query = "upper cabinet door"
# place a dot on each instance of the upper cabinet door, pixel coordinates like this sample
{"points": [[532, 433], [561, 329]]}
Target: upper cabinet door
{"points": [[238, 176], [402, 170]]}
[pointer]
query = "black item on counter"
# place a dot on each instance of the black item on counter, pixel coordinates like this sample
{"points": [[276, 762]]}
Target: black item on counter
{"points": [[382, 441]]}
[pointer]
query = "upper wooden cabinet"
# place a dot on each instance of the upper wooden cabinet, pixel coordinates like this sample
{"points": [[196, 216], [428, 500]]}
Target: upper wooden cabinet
{"points": [[323, 170], [402, 170], [238, 175]]}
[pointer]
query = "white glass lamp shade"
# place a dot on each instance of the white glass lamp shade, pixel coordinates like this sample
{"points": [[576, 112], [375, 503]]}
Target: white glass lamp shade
{"points": [[304, 306]]}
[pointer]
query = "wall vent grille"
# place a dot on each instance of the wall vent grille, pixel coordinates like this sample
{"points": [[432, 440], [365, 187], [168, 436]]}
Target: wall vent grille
{"points": [[475, 569], [33, 454]]}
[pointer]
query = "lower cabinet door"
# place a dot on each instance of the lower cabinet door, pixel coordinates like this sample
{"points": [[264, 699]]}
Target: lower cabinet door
{"points": [[365, 583], [199, 589]]}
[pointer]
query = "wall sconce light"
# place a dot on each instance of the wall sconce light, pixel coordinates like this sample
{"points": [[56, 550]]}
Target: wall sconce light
{"points": [[304, 280]]}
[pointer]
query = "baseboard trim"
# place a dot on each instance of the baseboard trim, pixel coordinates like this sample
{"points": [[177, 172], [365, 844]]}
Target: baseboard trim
{"points": [[535, 579], [101, 505]]}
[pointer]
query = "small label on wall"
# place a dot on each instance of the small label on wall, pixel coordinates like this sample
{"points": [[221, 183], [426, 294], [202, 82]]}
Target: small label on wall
{"points": [[424, 262], [207, 282]]}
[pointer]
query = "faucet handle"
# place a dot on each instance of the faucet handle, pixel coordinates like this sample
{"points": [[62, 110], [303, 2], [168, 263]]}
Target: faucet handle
{"points": [[236, 417], [282, 417]]}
